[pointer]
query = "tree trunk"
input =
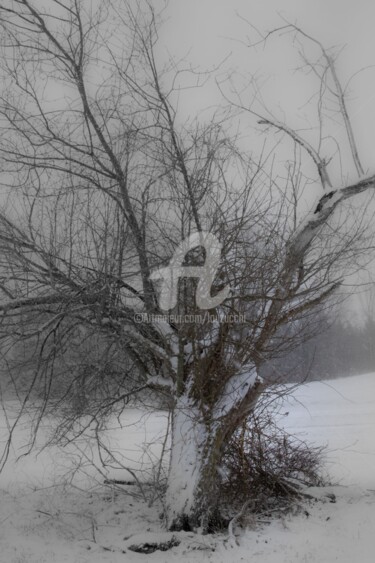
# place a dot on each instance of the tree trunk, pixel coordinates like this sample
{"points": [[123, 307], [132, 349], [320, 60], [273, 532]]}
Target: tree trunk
{"points": [[197, 449]]}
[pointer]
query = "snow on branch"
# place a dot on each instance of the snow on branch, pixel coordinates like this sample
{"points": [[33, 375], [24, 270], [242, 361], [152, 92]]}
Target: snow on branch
{"points": [[236, 391], [305, 233]]}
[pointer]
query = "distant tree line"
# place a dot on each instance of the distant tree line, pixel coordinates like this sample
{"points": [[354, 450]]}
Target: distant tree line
{"points": [[340, 348]]}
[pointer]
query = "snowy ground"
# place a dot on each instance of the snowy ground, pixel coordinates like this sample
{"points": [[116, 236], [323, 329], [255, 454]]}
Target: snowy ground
{"points": [[83, 521]]}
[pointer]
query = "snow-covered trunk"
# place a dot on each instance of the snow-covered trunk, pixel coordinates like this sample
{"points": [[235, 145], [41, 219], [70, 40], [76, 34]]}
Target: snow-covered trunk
{"points": [[199, 436], [195, 454]]}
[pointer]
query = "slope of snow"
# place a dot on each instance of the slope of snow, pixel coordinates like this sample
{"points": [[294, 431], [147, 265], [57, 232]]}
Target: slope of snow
{"points": [[341, 414], [86, 521]]}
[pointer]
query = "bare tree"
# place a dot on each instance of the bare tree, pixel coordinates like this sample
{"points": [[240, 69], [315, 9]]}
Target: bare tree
{"points": [[102, 182]]}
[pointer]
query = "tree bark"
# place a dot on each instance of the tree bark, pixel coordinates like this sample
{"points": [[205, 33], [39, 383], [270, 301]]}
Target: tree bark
{"points": [[197, 448], [191, 501]]}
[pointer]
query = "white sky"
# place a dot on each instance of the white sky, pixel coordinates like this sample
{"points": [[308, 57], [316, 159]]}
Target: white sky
{"points": [[204, 24], [207, 31]]}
